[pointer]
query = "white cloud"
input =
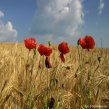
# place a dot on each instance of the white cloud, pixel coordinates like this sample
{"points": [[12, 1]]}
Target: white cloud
{"points": [[7, 32], [59, 19], [1, 14], [101, 6]]}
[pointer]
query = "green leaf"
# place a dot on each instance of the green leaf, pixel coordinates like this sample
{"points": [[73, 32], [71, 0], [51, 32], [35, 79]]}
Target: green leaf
{"points": [[63, 86], [78, 42]]}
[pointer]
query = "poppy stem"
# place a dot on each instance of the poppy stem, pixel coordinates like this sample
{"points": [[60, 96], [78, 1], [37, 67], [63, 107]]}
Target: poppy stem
{"points": [[26, 68], [80, 67], [42, 69], [62, 95], [50, 80], [32, 66], [94, 74], [47, 86], [35, 78], [37, 71], [78, 53]]}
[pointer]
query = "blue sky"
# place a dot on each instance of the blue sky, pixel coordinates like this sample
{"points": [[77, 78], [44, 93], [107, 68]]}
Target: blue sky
{"points": [[55, 20]]}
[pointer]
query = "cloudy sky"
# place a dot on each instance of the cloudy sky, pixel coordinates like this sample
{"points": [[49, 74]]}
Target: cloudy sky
{"points": [[55, 20]]}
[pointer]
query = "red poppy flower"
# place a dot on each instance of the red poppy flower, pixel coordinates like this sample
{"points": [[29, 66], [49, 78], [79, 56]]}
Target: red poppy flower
{"points": [[87, 43], [63, 48], [43, 50], [47, 51], [90, 43], [30, 43], [82, 43]]}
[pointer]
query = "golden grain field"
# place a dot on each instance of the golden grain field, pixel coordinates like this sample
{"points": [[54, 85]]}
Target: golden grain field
{"points": [[81, 73]]}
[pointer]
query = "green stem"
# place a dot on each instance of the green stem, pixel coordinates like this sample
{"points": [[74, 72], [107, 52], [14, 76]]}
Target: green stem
{"points": [[50, 79], [62, 95], [79, 67], [32, 66], [26, 68], [42, 69], [47, 86], [94, 74], [96, 68], [78, 53]]}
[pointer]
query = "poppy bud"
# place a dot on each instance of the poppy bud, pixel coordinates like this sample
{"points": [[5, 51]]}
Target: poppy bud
{"points": [[56, 81], [68, 67], [49, 43], [47, 63], [78, 42], [63, 86], [35, 51], [99, 59], [51, 103], [88, 76], [39, 66], [75, 75]]}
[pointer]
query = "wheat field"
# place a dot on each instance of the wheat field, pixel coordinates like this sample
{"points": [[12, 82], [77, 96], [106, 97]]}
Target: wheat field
{"points": [[81, 73]]}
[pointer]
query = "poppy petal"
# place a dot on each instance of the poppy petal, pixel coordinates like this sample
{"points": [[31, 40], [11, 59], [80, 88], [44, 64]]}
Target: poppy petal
{"points": [[87, 42], [62, 58], [30, 43], [91, 43], [41, 49], [63, 47], [82, 43], [47, 51]]}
